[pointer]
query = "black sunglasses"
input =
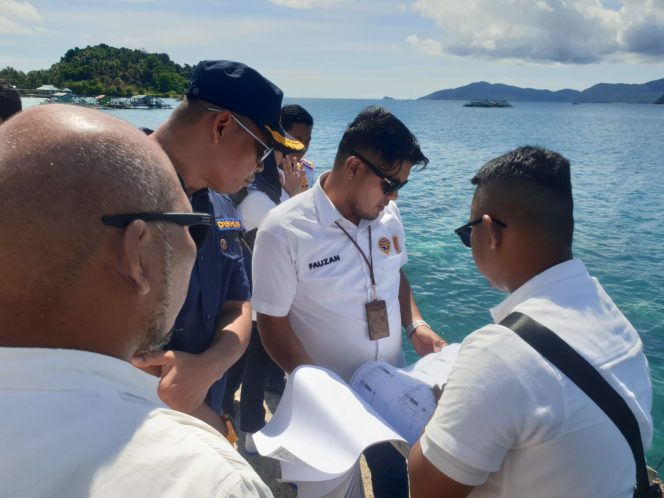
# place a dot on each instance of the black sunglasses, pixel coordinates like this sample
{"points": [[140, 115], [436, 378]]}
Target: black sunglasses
{"points": [[198, 223], [390, 184], [464, 231]]}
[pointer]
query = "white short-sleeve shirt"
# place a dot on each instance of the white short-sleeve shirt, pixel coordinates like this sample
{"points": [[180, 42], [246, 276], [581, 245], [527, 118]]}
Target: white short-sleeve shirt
{"points": [[255, 206], [78, 424], [306, 268], [513, 425]]}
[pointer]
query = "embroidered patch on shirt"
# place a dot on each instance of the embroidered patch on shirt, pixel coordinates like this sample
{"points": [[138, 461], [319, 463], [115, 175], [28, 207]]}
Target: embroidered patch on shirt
{"points": [[397, 246], [384, 245], [324, 262], [229, 224]]}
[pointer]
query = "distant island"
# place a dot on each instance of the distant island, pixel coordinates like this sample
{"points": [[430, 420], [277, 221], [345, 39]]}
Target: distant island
{"points": [[487, 103], [646, 93], [123, 72], [102, 69]]}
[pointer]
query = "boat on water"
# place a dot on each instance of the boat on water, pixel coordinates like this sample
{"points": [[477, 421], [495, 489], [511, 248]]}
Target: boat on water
{"points": [[67, 98], [147, 102], [487, 103]]}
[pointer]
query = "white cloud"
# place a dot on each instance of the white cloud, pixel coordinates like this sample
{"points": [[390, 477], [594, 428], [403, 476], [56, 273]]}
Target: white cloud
{"points": [[564, 31], [425, 46], [644, 27], [19, 10], [19, 18], [309, 4]]}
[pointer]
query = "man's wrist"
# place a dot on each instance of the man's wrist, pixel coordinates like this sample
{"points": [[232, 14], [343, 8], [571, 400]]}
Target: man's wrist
{"points": [[213, 362], [410, 330]]}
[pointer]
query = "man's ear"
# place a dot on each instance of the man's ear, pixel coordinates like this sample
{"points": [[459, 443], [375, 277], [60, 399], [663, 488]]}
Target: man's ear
{"points": [[220, 124], [135, 256], [494, 230], [352, 167]]}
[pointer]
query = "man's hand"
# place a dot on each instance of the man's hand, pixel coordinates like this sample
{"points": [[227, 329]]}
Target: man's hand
{"points": [[185, 378], [292, 178], [426, 341]]}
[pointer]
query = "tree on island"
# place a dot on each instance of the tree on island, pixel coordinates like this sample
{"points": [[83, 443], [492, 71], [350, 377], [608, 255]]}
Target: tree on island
{"points": [[102, 69], [660, 100]]}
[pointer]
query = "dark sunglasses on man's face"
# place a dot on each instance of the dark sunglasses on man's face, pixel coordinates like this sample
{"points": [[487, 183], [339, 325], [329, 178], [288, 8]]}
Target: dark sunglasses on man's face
{"points": [[464, 231], [390, 184], [198, 223]]}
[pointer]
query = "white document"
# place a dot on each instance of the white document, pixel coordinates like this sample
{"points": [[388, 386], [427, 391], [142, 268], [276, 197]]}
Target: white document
{"points": [[323, 425], [403, 396]]}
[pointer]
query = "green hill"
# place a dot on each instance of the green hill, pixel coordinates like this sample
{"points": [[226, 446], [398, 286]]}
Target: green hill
{"points": [[644, 93], [102, 69], [499, 91]]}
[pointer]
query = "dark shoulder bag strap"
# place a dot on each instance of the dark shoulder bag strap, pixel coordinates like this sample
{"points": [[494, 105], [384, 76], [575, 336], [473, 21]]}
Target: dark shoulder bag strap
{"points": [[249, 239], [589, 380]]}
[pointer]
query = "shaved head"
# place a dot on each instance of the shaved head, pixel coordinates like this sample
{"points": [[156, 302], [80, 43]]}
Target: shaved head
{"points": [[61, 169], [532, 187]]}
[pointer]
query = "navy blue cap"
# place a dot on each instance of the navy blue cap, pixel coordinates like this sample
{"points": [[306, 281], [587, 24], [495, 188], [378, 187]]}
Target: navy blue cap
{"points": [[237, 87]]}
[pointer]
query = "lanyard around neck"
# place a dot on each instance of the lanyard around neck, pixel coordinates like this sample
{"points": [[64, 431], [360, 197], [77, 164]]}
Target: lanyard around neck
{"points": [[368, 260]]}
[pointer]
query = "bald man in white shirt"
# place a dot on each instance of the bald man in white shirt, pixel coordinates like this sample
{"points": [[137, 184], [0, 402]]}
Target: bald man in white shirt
{"points": [[98, 245]]}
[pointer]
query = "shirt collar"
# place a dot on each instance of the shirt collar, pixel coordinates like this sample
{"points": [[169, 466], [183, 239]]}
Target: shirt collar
{"points": [[537, 286], [72, 370], [328, 213]]}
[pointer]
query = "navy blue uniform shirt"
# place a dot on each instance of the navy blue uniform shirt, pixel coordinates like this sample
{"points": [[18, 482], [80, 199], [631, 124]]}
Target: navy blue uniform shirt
{"points": [[218, 276]]}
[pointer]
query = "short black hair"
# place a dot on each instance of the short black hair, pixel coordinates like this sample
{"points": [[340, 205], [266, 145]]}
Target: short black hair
{"points": [[293, 113], [532, 185], [10, 101], [378, 130]]}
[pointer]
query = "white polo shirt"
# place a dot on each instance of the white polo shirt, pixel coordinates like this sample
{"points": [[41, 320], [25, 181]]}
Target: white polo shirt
{"points": [[78, 424], [512, 424], [304, 266]]}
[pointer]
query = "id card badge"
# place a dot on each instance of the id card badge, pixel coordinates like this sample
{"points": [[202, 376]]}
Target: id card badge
{"points": [[379, 328]]}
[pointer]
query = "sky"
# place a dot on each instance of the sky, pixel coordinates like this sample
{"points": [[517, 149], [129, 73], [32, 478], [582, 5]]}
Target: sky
{"points": [[361, 48]]}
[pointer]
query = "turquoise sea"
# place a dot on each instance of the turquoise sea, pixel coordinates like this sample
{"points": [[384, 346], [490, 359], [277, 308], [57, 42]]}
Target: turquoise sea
{"points": [[617, 156]]}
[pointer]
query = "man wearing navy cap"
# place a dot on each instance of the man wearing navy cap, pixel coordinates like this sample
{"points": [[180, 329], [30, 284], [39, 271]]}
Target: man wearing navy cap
{"points": [[217, 139]]}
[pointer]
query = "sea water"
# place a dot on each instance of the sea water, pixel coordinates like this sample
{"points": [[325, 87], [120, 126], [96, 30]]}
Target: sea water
{"points": [[617, 157]]}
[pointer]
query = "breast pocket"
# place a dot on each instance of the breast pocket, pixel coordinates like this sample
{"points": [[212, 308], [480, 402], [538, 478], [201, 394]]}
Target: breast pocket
{"points": [[387, 273], [230, 244]]}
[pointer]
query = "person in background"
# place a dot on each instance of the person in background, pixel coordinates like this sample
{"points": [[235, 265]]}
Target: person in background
{"points": [[299, 125], [10, 101], [509, 423], [273, 185], [280, 179], [99, 275], [217, 139], [328, 287]]}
